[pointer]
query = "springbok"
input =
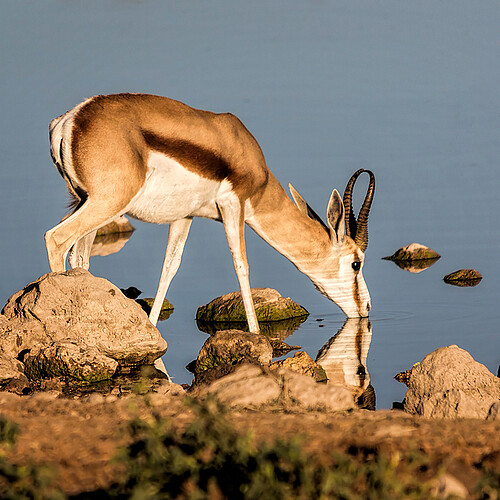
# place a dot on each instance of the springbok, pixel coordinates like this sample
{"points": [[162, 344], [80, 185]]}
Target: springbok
{"points": [[161, 161]]}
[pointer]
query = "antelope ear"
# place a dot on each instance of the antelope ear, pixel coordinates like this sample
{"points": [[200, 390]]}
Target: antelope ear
{"points": [[335, 217], [304, 207]]}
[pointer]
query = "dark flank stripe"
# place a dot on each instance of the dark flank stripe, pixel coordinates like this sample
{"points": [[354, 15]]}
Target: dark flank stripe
{"points": [[198, 159]]}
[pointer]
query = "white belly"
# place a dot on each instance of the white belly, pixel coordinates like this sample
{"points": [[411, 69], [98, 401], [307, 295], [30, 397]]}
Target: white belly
{"points": [[172, 192]]}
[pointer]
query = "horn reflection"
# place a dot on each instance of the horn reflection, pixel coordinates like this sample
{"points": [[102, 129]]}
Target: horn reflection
{"points": [[343, 358]]}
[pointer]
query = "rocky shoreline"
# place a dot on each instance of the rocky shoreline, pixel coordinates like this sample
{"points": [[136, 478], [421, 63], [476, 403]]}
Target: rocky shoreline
{"points": [[71, 352]]}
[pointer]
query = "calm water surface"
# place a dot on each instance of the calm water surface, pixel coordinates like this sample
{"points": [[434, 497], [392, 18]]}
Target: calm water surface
{"points": [[327, 87]]}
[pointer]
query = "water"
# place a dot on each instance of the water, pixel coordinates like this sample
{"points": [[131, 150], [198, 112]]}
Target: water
{"points": [[407, 90]]}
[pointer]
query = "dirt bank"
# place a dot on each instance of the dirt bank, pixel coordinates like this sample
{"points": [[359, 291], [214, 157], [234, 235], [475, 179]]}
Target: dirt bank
{"points": [[79, 438]]}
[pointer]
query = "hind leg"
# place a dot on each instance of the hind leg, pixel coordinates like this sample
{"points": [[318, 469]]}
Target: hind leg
{"points": [[88, 218], [79, 255]]}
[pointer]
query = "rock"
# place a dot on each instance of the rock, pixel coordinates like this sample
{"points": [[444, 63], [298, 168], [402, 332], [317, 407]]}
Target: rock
{"points": [[86, 310], [166, 309], [463, 277], [301, 362], [281, 348], [412, 252], [269, 306], [226, 347], [66, 358], [119, 225], [305, 392], [251, 386], [449, 383]]}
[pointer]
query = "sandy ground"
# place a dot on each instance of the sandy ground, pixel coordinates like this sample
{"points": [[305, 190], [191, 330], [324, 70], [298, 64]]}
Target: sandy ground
{"points": [[80, 437]]}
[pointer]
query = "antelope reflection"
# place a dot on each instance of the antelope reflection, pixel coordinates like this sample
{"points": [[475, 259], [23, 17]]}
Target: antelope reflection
{"points": [[343, 358]]}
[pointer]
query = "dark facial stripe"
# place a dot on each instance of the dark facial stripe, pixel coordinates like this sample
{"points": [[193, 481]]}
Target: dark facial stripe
{"points": [[355, 292], [204, 162]]}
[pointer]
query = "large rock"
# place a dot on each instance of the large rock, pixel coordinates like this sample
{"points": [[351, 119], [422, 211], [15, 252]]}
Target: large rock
{"points": [[227, 347], [269, 306], [84, 310], [449, 383], [251, 386]]}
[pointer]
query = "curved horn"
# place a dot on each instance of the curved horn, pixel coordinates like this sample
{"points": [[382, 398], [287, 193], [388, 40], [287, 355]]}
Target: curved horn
{"points": [[358, 230]]}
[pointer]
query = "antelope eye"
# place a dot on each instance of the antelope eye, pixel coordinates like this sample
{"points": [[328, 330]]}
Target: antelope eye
{"points": [[356, 265]]}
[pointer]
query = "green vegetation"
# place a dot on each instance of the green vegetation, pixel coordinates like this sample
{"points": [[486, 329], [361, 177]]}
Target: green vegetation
{"points": [[20, 482], [210, 459]]}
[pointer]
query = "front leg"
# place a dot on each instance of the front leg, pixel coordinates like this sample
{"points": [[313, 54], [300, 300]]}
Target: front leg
{"points": [[233, 218], [177, 236]]}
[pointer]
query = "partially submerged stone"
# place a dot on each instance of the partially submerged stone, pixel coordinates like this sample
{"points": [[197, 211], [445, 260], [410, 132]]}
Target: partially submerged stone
{"points": [[166, 309], [281, 348], [227, 347], [413, 252], [68, 359], [449, 383], [301, 362], [76, 308], [269, 306], [463, 277]]}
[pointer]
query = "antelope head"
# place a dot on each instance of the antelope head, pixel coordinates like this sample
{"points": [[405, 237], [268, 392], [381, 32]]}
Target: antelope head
{"points": [[338, 274]]}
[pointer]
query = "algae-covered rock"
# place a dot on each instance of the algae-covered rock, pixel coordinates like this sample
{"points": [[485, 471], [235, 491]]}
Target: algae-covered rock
{"points": [[166, 309], [463, 277], [413, 252], [68, 359], [301, 362], [228, 347], [269, 306], [281, 348]]}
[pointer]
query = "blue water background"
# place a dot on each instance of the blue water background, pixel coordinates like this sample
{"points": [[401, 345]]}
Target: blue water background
{"points": [[407, 89]]}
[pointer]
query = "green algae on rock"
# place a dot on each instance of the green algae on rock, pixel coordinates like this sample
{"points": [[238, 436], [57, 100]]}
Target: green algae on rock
{"points": [[166, 309], [269, 306], [463, 277], [68, 359], [414, 251]]}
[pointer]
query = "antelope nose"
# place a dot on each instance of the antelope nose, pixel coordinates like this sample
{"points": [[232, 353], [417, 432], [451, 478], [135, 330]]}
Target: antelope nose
{"points": [[368, 306]]}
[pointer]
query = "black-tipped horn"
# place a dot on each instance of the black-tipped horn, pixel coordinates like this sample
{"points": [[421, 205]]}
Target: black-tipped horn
{"points": [[358, 230]]}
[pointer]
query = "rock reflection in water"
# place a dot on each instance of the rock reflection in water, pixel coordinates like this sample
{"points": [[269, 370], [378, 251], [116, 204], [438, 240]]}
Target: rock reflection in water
{"points": [[414, 266], [278, 330], [343, 358]]}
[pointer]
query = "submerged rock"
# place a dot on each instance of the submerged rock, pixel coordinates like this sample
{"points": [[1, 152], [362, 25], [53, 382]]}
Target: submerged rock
{"points": [[166, 309], [414, 252], [301, 362], [269, 306], [449, 383], [463, 277], [74, 312]]}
